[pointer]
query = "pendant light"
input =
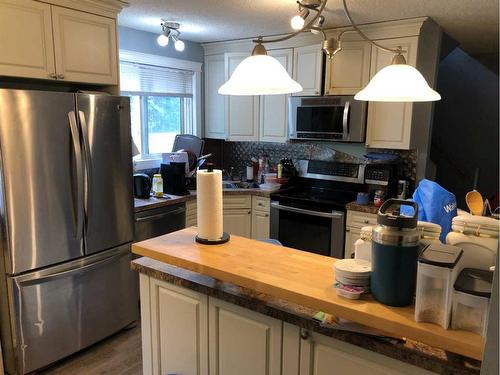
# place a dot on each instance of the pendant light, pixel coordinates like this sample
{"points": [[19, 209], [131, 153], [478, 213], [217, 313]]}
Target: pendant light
{"points": [[398, 82], [260, 74]]}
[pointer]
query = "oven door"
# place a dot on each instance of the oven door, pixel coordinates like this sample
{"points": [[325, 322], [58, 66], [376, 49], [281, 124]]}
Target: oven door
{"points": [[314, 231]]}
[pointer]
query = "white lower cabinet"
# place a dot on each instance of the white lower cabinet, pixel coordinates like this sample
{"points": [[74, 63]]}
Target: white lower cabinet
{"points": [[351, 236], [323, 355], [242, 341], [174, 323], [189, 333], [238, 221]]}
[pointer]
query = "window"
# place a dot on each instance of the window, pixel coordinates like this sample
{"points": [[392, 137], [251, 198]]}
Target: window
{"points": [[161, 106]]}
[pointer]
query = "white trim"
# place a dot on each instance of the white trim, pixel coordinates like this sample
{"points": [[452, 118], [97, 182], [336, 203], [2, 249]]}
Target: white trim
{"points": [[157, 60]]}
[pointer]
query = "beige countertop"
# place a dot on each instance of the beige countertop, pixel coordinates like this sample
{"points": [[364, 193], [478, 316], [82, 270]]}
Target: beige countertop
{"points": [[148, 204]]}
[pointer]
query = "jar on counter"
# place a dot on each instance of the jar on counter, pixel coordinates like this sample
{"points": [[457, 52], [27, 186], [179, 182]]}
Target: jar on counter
{"points": [[379, 198], [363, 245], [429, 233], [157, 185]]}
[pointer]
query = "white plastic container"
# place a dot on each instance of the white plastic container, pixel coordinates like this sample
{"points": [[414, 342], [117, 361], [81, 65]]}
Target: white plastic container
{"points": [[363, 245], [157, 185], [429, 232], [436, 274], [471, 300]]}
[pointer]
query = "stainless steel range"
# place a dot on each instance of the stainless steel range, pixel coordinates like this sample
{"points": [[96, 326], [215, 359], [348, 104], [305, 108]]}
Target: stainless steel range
{"points": [[311, 216]]}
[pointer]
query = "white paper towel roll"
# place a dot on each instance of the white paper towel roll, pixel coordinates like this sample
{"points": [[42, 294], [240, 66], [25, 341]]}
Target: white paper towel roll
{"points": [[209, 202]]}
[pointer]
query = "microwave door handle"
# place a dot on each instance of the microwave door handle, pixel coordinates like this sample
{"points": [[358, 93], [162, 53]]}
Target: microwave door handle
{"points": [[345, 120]]}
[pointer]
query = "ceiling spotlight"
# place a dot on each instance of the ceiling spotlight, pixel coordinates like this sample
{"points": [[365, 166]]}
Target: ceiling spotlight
{"points": [[170, 30], [179, 44], [162, 40], [298, 20]]}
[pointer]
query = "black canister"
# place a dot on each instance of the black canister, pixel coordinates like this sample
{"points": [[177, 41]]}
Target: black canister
{"points": [[395, 249]]}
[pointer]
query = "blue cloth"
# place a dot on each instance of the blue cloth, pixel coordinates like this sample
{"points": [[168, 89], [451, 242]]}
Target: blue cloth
{"points": [[435, 205]]}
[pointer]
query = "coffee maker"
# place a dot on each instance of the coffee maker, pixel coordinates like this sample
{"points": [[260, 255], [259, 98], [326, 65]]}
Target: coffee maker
{"points": [[174, 178]]}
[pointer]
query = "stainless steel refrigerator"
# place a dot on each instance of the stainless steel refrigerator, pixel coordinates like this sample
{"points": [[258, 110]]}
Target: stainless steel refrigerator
{"points": [[66, 215]]}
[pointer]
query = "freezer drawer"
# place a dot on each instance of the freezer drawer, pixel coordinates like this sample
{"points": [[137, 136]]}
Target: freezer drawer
{"points": [[68, 307]]}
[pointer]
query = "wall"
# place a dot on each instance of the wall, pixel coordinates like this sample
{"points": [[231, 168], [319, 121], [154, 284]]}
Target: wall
{"points": [[145, 42], [465, 129]]}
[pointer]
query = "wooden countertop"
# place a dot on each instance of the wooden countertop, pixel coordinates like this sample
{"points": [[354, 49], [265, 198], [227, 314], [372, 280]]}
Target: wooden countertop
{"points": [[300, 277]]}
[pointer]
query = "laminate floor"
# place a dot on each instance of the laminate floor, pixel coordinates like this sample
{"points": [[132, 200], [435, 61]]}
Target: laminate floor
{"points": [[119, 354]]}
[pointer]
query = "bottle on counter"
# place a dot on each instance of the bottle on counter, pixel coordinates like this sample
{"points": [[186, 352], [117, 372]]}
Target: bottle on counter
{"points": [[280, 170], [363, 245], [157, 185]]}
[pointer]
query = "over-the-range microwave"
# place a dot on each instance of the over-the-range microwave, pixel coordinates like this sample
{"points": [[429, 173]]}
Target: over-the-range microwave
{"points": [[326, 118]]}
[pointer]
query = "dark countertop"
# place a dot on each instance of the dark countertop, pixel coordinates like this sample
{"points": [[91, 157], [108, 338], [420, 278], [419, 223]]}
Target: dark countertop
{"points": [[369, 208], [408, 351], [148, 204]]}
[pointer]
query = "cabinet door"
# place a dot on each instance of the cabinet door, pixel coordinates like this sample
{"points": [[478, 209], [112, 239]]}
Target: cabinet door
{"points": [[215, 122], [238, 221], [389, 124], [179, 329], [243, 342], [273, 108], [242, 112], [307, 69], [260, 224], [26, 43], [349, 70], [351, 235], [322, 355], [85, 47]]}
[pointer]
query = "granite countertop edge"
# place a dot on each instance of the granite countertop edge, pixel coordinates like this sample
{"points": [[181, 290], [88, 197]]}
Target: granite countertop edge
{"points": [[369, 208], [151, 203], [411, 352]]}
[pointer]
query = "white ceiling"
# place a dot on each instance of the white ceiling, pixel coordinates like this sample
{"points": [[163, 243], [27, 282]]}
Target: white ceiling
{"points": [[473, 23]]}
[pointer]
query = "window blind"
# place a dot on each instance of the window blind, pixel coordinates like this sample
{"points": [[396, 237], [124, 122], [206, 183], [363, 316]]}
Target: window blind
{"points": [[148, 79]]}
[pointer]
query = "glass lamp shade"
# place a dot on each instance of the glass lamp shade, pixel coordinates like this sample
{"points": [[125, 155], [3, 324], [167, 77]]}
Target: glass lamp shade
{"points": [[260, 75], [398, 83], [162, 40]]}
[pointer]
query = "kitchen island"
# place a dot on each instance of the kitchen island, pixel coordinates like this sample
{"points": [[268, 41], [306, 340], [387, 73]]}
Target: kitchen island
{"points": [[247, 306]]}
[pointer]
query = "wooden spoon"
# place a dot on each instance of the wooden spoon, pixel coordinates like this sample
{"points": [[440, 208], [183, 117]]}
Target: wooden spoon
{"points": [[475, 202]]}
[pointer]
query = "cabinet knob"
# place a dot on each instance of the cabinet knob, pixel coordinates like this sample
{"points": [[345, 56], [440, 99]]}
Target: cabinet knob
{"points": [[266, 215], [366, 221], [347, 230], [249, 212], [304, 334], [53, 75], [60, 76], [352, 255]]}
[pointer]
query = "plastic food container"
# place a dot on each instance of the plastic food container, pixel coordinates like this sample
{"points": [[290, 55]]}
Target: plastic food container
{"points": [[437, 271], [471, 300], [354, 272], [348, 291], [363, 245]]}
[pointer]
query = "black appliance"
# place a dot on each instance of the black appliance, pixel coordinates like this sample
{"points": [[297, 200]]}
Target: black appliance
{"points": [[311, 215], [142, 186], [327, 118], [174, 178]]}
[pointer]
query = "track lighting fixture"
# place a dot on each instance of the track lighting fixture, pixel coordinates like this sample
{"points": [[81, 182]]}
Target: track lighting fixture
{"points": [[261, 74], [170, 30]]}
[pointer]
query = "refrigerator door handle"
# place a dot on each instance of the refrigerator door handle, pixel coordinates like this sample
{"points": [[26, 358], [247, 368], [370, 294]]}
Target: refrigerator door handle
{"points": [[88, 164], [38, 277], [75, 137]]}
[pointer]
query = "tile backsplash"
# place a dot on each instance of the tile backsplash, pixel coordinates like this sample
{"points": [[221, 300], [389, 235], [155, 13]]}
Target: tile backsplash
{"points": [[238, 154]]}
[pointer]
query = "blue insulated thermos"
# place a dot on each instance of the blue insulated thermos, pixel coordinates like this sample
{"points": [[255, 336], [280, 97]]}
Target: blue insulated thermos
{"points": [[395, 249]]}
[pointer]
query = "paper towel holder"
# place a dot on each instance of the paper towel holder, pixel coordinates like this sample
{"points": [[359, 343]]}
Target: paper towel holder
{"points": [[225, 237]]}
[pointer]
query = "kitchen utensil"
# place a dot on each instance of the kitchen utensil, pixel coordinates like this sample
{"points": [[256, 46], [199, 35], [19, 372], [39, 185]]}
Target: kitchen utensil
{"points": [[142, 186], [188, 142], [395, 248], [192, 159], [475, 202]]}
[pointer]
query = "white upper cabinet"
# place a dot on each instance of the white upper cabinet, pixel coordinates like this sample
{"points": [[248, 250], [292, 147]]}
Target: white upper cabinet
{"points": [[215, 123], [273, 108], [242, 112], [349, 70], [308, 69], [26, 47], [85, 47], [389, 124]]}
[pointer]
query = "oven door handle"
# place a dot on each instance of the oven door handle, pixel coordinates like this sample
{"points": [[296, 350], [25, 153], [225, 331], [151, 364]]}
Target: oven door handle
{"points": [[332, 215], [345, 120]]}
